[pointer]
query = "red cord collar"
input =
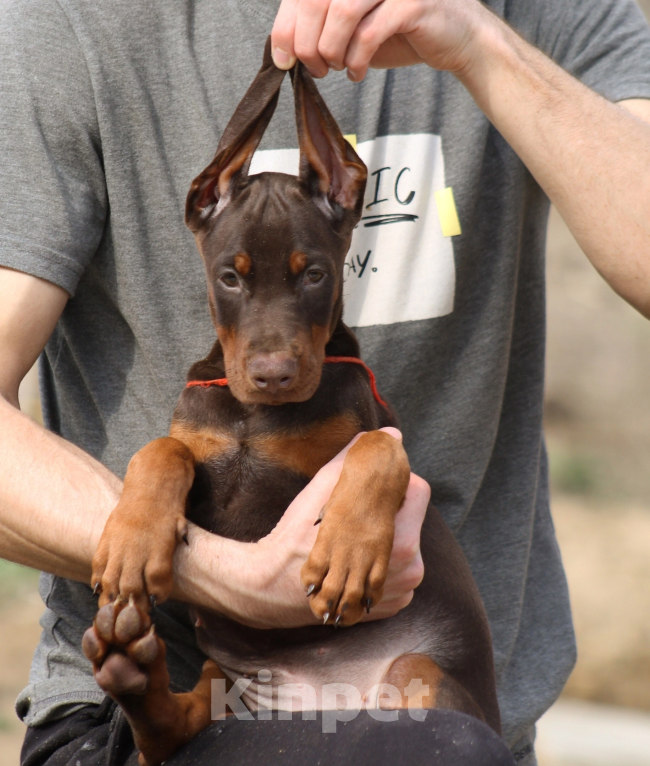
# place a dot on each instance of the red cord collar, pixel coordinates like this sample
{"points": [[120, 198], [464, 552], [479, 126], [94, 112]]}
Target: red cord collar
{"points": [[327, 360]]}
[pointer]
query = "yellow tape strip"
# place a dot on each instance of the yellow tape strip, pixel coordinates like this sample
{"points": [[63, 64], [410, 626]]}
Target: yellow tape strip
{"points": [[447, 213], [352, 140]]}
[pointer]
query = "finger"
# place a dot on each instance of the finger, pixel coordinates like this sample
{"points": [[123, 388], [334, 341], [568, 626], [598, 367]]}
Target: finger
{"points": [[395, 52], [392, 431], [379, 25], [310, 19], [405, 580], [282, 35], [409, 520], [343, 16]]}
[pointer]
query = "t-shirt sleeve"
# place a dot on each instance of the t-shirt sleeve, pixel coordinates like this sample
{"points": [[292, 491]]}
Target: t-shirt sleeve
{"points": [[604, 43], [53, 202]]}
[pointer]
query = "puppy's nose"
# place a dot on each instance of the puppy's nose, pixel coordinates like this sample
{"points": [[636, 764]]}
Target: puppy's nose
{"points": [[272, 372]]}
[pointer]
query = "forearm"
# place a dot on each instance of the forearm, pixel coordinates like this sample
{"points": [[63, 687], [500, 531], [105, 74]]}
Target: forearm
{"points": [[54, 498], [590, 156]]}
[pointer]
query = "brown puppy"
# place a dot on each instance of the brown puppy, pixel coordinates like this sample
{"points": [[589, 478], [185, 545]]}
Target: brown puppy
{"points": [[262, 414]]}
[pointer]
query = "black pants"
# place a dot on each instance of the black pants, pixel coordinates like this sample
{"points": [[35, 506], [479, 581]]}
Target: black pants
{"points": [[100, 736]]}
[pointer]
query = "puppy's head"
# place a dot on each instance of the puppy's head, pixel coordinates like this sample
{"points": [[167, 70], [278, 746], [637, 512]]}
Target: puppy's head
{"points": [[273, 245]]}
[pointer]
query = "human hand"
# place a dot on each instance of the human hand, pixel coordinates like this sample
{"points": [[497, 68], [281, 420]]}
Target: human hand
{"points": [[260, 582], [357, 34]]}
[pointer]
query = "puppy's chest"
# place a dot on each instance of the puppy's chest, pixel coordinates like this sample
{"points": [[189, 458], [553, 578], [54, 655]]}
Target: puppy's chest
{"points": [[248, 473]]}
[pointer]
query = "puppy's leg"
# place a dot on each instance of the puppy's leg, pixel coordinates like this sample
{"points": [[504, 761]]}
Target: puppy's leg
{"points": [[135, 553], [347, 568], [421, 683], [129, 665]]}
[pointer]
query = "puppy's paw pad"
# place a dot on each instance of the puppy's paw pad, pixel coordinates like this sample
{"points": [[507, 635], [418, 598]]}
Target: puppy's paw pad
{"points": [[119, 674], [121, 644]]}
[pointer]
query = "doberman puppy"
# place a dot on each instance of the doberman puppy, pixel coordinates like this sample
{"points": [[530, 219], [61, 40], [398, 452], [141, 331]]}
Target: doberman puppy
{"points": [[281, 393]]}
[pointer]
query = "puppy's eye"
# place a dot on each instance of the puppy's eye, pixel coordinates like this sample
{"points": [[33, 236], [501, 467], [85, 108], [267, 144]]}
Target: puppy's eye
{"points": [[230, 279], [314, 275]]}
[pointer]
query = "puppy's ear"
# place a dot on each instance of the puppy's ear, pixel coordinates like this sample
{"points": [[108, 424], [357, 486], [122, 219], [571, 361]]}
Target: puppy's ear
{"points": [[215, 186], [329, 166]]}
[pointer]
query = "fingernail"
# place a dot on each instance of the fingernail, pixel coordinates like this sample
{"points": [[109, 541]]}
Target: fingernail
{"points": [[282, 59], [352, 75], [313, 72]]}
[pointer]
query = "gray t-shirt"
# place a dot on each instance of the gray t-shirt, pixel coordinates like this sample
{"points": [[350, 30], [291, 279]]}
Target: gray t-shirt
{"points": [[108, 111]]}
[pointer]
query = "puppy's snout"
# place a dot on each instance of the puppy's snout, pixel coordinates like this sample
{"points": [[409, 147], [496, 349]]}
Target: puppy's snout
{"points": [[272, 372]]}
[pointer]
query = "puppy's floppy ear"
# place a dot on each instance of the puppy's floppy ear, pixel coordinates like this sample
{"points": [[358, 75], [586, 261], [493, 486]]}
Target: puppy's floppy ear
{"points": [[329, 166], [214, 187]]}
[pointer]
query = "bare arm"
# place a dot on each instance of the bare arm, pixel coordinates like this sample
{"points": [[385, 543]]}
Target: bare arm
{"points": [[590, 156], [55, 499]]}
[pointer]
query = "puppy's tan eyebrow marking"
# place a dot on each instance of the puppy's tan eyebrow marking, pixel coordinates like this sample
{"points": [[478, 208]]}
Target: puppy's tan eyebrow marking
{"points": [[243, 264], [297, 262]]}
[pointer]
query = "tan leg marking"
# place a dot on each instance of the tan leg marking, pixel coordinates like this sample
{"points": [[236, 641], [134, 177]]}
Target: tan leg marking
{"points": [[135, 552], [349, 561], [411, 674]]}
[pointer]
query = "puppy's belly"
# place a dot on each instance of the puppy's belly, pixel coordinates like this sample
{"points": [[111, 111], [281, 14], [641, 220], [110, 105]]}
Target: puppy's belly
{"points": [[315, 686], [294, 670], [306, 689]]}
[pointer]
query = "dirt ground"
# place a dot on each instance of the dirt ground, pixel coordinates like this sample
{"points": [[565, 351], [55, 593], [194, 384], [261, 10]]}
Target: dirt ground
{"points": [[19, 632]]}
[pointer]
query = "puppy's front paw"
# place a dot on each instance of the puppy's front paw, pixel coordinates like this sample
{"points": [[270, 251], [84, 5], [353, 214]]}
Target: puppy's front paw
{"points": [[134, 558], [346, 570]]}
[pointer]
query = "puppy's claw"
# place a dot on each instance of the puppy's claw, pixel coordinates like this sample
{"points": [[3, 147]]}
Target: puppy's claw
{"points": [[97, 589], [185, 538], [326, 617], [310, 590], [368, 605], [337, 620], [152, 601]]}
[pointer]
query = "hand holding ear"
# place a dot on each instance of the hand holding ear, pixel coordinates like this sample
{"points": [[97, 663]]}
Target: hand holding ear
{"points": [[357, 34]]}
